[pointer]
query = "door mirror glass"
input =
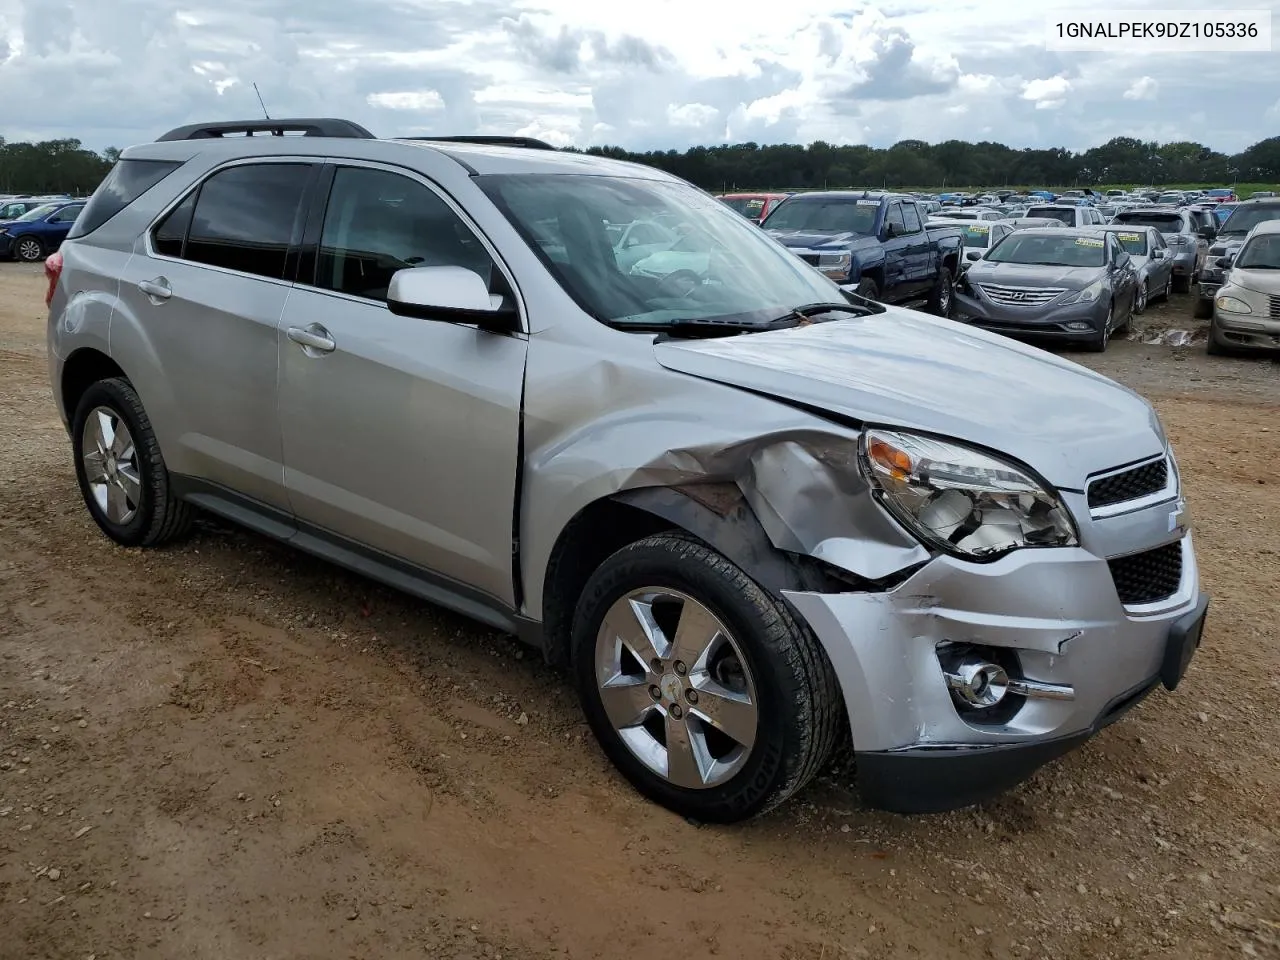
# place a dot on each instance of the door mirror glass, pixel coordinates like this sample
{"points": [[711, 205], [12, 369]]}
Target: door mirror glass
{"points": [[973, 255], [448, 293]]}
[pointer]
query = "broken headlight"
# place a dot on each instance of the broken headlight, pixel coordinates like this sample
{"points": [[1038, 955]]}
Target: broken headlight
{"points": [[962, 500]]}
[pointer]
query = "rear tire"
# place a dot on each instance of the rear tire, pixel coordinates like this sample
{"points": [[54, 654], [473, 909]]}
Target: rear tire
{"points": [[1203, 308], [780, 666], [1214, 347], [121, 473]]}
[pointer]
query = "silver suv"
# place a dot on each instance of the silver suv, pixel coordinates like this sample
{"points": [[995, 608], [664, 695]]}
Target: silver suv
{"points": [[755, 517]]}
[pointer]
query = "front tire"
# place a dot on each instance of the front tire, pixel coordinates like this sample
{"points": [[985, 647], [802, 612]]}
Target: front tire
{"points": [[1203, 308], [869, 289], [28, 249], [1098, 342], [1140, 300], [1181, 283], [121, 473], [702, 689]]}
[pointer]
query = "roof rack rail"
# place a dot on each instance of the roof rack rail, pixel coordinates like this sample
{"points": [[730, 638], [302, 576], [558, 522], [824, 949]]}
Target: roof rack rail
{"points": [[529, 143], [306, 126]]}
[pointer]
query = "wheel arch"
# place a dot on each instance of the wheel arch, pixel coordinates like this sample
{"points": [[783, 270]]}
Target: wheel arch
{"points": [[83, 368], [716, 514]]}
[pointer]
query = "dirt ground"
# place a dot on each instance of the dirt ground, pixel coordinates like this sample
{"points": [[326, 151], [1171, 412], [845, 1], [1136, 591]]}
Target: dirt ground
{"points": [[228, 750]]}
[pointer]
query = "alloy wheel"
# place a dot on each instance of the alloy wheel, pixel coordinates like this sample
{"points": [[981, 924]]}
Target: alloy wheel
{"points": [[111, 465], [676, 687], [29, 250]]}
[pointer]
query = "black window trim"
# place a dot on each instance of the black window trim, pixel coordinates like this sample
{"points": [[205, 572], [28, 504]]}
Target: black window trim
{"points": [[291, 260], [308, 257]]}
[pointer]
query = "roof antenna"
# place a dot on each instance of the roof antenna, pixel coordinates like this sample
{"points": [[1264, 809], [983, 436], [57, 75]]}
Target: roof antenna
{"points": [[260, 103]]}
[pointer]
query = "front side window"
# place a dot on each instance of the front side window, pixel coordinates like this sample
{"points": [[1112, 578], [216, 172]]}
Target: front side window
{"points": [[911, 218], [247, 216], [720, 267], [377, 223], [894, 219], [66, 215]]}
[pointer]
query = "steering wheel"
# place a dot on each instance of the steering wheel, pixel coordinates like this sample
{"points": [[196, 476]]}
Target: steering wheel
{"points": [[682, 283]]}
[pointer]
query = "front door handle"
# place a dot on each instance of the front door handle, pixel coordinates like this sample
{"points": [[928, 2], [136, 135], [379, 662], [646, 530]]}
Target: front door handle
{"points": [[158, 290], [313, 338]]}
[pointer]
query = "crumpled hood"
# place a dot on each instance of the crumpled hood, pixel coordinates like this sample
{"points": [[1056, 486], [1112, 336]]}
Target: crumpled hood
{"points": [[807, 240], [1033, 275], [907, 369]]}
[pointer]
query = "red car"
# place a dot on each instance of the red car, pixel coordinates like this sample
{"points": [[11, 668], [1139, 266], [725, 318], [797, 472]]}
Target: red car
{"points": [[754, 206]]}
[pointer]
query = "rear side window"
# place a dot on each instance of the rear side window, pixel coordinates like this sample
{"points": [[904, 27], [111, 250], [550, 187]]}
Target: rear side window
{"points": [[169, 239], [246, 218], [127, 181]]}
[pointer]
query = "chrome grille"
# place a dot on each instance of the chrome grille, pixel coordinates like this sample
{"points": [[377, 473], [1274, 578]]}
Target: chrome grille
{"points": [[1020, 296], [1148, 577], [1132, 484]]}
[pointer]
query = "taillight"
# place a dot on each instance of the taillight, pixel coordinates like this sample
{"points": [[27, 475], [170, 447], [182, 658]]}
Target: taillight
{"points": [[52, 271]]}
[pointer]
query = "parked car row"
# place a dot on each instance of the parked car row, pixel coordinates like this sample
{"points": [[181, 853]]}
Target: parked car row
{"points": [[36, 229], [1060, 269]]}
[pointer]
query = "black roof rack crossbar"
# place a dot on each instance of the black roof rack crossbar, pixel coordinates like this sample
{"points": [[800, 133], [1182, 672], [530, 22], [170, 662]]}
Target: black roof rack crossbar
{"points": [[529, 143], [306, 126]]}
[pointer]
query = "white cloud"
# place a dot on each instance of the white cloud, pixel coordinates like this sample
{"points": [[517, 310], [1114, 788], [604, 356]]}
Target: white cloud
{"points": [[1144, 88], [698, 115], [1047, 94], [407, 100], [114, 72]]}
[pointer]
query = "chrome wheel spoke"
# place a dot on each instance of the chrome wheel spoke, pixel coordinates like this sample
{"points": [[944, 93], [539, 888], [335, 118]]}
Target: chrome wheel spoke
{"points": [[695, 634], [130, 483], [106, 430], [95, 470], [732, 713], [117, 503], [683, 749], [626, 701]]}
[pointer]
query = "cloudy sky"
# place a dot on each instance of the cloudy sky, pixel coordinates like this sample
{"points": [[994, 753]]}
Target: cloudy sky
{"points": [[648, 74]]}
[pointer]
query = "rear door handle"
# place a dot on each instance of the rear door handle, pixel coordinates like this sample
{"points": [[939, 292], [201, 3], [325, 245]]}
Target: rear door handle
{"points": [[158, 289], [313, 338]]}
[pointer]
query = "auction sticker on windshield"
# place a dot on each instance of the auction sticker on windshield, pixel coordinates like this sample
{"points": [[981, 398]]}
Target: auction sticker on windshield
{"points": [[1087, 242], [979, 228], [1129, 236], [868, 203]]}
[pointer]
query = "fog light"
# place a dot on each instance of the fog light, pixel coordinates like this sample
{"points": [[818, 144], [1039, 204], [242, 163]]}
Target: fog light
{"points": [[1078, 325], [979, 683]]}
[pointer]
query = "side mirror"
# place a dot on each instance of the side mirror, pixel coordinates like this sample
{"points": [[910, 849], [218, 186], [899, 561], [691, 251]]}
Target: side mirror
{"points": [[1157, 254], [973, 255], [449, 293], [1224, 263], [889, 232]]}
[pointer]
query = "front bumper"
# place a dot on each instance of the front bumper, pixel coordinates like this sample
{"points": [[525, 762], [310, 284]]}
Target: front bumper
{"points": [[6, 246], [1210, 279], [1057, 611], [1050, 320], [1246, 330]]}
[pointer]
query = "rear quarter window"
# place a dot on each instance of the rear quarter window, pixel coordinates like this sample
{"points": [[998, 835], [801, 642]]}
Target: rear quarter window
{"points": [[127, 181]]}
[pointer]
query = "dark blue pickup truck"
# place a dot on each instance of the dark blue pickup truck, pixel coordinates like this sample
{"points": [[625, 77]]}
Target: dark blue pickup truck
{"points": [[877, 244]]}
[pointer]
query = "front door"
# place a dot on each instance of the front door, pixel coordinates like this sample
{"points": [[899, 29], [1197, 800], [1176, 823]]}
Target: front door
{"points": [[400, 434]]}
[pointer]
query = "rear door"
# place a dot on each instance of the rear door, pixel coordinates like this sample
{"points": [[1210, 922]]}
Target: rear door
{"points": [[401, 434], [920, 259], [208, 291], [897, 273]]}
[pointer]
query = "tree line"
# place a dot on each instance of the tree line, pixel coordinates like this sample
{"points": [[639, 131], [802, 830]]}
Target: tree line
{"points": [[66, 166]]}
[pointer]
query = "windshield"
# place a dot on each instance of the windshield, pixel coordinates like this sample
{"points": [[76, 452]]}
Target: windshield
{"points": [[39, 213], [825, 215], [1134, 243], [749, 207], [977, 235], [1165, 223], [1044, 250], [1065, 215], [722, 267], [1244, 219], [1260, 253]]}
